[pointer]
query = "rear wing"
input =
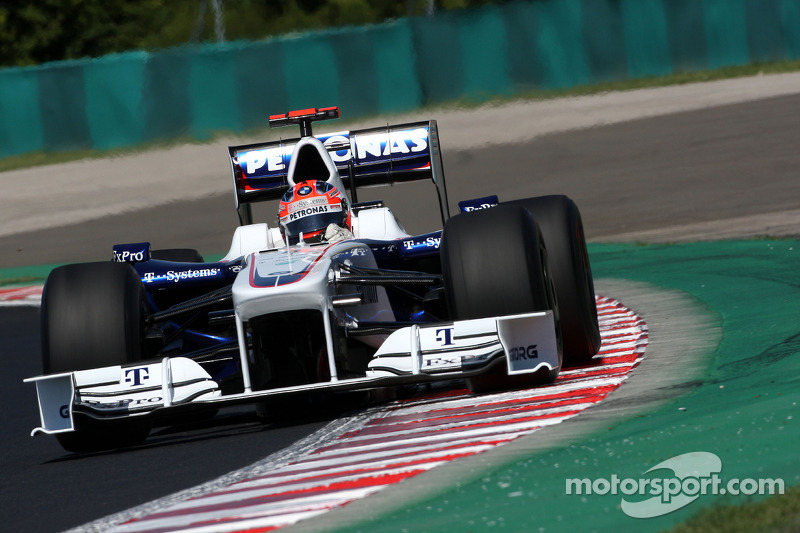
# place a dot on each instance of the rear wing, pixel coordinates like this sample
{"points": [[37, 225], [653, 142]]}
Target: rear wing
{"points": [[364, 158]]}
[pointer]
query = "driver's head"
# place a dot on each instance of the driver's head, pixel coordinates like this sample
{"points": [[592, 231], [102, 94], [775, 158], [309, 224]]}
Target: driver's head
{"points": [[309, 208]]}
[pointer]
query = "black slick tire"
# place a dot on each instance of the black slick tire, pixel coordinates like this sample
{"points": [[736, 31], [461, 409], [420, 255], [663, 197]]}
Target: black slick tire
{"points": [[494, 263], [93, 316], [560, 222]]}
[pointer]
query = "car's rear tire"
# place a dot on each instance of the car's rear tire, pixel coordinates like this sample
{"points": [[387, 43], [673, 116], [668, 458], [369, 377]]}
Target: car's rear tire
{"points": [[177, 255], [494, 263], [560, 222], [93, 316]]}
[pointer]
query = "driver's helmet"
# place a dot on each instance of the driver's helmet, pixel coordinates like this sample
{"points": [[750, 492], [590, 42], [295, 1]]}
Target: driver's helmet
{"points": [[309, 208]]}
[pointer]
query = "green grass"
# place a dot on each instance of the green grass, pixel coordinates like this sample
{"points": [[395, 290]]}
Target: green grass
{"points": [[20, 280], [34, 159], [32, 275], [777, 514]]}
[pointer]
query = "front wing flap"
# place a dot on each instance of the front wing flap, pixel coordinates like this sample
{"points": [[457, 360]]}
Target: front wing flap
{"points": [[119, 391], [528, 341], [418, 353]]}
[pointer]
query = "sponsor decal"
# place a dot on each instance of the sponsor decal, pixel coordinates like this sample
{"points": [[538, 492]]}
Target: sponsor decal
{"points": [[136, 376], [369, 147], [478, 204], [339, 156], [518, 353], [444, 336], [64, 411], [126, 256], [272, 158], [443, 361], [352, 252], [470, 208], [314, 210], [308, 202], [180, 275], [429, 242], [121, 404], [305, 190], [378, 145], [131, 253]]}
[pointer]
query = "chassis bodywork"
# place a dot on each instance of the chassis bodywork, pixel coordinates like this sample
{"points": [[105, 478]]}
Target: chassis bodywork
{"points": [[271, 320]]}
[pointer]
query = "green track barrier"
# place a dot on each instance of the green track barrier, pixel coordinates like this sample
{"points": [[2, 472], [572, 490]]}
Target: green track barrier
{"points": [[726, 32], [167, 108], [439, 66], [744, 409], [62, 105], [114, 99], [309, 72], [212, 83], [604, 41], [21, 129], [765, 38], [559, 45], [198, 91], [524, 69], [647, 38], [259, 84], [790, 14], [395, 62], [483, 44], [685, 25], [355, 59]]}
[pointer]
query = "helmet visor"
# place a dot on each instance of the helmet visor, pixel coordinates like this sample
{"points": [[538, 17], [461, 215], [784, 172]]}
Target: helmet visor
{"points": [[311, 219]]}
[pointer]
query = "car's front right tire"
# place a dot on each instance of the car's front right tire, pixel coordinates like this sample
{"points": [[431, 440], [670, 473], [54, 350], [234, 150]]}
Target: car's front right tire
{"points": [[93, 316]]}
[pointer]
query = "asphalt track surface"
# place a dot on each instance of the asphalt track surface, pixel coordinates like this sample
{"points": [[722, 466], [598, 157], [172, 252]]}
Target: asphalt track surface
{"points": [[736, 163], [45, 489]]}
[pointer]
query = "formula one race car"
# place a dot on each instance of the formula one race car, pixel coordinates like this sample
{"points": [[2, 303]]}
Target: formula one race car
{"points": [[336, 297]]}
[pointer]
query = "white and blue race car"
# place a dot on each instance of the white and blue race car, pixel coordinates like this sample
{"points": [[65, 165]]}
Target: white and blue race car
{"points": [[500, 297]]}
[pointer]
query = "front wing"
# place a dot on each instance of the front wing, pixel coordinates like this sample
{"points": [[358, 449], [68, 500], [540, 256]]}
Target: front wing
{"points": [[417, 353]]}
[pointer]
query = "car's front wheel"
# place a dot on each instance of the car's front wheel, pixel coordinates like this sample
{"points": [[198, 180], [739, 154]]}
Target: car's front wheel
{"points": [[494, 263], [92, 316], [559, 219]]}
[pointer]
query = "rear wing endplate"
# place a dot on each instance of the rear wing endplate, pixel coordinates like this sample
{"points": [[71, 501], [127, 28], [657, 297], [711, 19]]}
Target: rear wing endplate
{"points": [[364, 158]]}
